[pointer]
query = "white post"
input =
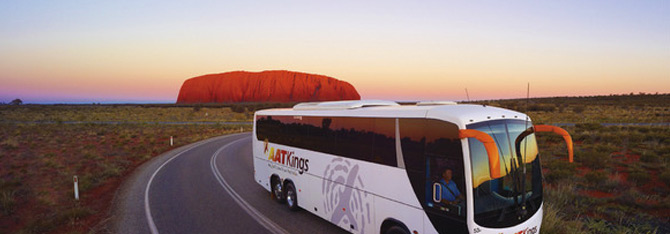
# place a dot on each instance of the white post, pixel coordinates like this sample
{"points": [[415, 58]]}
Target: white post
{"points": [[171, 141], [76, 188], [241, 129]]}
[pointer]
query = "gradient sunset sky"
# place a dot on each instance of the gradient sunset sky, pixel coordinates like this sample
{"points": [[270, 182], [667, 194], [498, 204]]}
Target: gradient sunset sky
{"points": [[141, 51]]}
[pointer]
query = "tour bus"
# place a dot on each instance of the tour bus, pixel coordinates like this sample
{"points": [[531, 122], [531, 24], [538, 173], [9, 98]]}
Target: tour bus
{"points": [[380, 167]]}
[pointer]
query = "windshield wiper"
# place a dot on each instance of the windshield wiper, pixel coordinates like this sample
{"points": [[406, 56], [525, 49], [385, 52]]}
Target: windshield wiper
{"points": [[511, 171], [521, 175]]}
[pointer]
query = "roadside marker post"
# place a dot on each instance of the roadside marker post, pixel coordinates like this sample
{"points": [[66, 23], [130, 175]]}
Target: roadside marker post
{"points": [[76, 188], [171, 141]]}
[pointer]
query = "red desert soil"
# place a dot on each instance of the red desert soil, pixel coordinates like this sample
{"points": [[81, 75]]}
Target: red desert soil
{"points": [[598, 194], [266, 86]]}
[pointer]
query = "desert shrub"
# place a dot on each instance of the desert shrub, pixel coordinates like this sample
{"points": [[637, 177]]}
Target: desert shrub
{"points": [[612, 139], [7, 201], [91, 155], [41, 224], [542, 107], [665, 177], [559, 170], [605, 147], [75, 213], [579, 136], [566, 196], [649, 157], [578, 109], [639, 176], [598, 226], [593, 159], [111, 170], [596, 177], [561, 108], [551, 220], [238, 108], [559, 174], [10, 143], [589, 127], [601, 226], [562, 194], [88, 182], [614, 182], [47, 223], [554, 222], [635, 137], [556, 176], [8, 192], [51, 163], [663, 152]]}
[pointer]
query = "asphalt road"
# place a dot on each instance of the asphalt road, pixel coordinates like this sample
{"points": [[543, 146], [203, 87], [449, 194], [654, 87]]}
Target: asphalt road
{"points": [[205, 187]]}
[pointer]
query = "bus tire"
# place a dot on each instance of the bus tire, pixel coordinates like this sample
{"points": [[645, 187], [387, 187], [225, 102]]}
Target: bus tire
{"points": [[395, 229], [291, 197], [277, 192]]}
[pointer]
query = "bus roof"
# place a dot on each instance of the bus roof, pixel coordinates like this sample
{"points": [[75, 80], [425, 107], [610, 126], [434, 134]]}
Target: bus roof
{"points": [[460, 114]]}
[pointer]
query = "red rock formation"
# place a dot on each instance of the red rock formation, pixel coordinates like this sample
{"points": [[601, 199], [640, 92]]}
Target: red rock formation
{"points": [[266, 86]]}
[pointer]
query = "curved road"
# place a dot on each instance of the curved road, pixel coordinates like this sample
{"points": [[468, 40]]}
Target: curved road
{"points": [[205, 187]]}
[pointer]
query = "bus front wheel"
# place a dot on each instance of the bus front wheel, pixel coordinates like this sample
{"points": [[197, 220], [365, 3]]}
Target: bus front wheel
{"points": [[395, 229], [277, 192], [291, 197]]}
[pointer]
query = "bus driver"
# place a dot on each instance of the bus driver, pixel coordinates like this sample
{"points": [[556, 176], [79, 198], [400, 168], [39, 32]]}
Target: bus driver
{"points": [[450, 193]]}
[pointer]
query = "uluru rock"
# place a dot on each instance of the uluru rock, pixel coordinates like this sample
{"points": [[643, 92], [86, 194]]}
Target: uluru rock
{"points": [[266, 86]]}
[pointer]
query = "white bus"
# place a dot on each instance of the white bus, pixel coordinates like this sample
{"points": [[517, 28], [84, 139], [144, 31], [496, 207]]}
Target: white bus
{"points": [[380, 167]]}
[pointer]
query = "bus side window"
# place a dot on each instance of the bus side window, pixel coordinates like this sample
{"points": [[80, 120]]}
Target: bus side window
{"points": [[445, 178], [383, 151]]}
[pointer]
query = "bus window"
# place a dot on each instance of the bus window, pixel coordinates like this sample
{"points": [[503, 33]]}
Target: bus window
{"points": [[413, 143], [353, 137], [430, 147], [445, 178], [367, 139], [384, 142]]}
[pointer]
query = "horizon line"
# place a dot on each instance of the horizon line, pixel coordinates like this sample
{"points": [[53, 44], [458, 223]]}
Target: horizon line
{"points": [[161, 102]]}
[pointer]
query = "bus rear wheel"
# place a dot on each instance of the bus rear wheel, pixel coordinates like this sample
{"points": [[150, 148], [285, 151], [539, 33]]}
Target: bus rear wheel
{"points": [[277, 192], [291, 197]]}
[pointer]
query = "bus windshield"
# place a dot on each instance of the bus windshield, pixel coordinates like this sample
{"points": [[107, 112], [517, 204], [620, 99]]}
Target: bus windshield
{"points": [[517, 195]]}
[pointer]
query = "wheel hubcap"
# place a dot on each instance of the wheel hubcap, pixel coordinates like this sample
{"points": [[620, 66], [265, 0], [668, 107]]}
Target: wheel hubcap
{"points": [[278, 190], [289, 197]]}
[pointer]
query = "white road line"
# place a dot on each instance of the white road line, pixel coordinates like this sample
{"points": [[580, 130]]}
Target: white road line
{"points": [[260, 218], [147, 209]]}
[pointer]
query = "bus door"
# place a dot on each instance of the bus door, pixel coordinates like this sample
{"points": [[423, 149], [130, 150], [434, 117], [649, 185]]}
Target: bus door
{"points": [[433, 157]]}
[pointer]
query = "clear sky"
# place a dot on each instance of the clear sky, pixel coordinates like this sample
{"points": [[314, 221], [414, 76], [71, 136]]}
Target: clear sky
{"points": [[142, 51]]}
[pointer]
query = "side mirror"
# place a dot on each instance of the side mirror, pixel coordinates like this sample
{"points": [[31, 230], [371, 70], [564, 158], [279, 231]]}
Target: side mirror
{"points": [[559, 131], [491, 149]]}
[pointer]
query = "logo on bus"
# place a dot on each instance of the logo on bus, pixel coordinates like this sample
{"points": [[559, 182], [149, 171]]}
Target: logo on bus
{"points": [[346, 202], [286, 158], [528, 231]]}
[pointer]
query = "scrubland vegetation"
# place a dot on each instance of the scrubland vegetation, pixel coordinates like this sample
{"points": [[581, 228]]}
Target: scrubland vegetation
{"points": [[148, 113], [620, 180], [41, 149]]}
